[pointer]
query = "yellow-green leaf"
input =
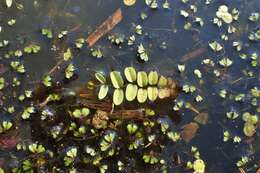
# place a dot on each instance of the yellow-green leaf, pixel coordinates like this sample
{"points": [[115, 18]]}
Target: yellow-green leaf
{"points": [[130, 74], [141, 95], [142, 79], [131, 92], [162, 81], [67, 55], [249, 129], [152, 93], [153, 78], [102, 92], [116, 79], [118, 96]]}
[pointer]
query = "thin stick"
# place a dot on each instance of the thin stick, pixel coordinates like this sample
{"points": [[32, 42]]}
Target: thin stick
{"points": [[105, 27]]}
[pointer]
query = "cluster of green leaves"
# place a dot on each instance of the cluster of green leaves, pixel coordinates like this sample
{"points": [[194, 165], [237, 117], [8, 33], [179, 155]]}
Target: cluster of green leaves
{"points": [[80, 43], [142, 53], [96, 52], [27, 112], [5, 126], [71, 154], [47, 32], [32, 48], [36, 148], [140, 85], [107, 141], [2, 83], [69, 71], [116, 39], [79, 113], [17, 66], [250, 123]]}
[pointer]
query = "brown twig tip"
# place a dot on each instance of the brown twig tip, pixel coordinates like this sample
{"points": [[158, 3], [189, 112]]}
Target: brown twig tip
{"points": [[105, 27]]}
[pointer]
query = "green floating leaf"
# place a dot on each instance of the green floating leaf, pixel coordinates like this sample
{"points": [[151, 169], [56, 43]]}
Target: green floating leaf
{"points": [[116, 79], [130, 74], [142, 95], [152, 93], [142, 79], [162, 81], [100, 77], [153, 78], [118, 96], [103, 92], [131, 92]]}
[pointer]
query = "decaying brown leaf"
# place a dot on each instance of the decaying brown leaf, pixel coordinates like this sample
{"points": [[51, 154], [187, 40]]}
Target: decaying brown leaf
{"points": [[100, 119], [105, 27], [189, 131]]}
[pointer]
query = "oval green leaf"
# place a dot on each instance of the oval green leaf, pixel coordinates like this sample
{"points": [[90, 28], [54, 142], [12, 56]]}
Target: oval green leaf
{"points": [[100, 77], [152, 93], [162, 81], [118, 96], [131, 92], [130, 74], [102, 92], [141, 95], [116, 79], [142, 79], [153, 78]]}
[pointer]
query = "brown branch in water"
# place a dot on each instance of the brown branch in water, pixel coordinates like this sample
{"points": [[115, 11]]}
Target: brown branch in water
{"points": [[193, 54], [105, 27], [128, 114]]}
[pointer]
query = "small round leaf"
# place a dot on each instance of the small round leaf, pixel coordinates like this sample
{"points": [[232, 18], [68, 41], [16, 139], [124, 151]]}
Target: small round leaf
{"points": [[131, 92], [141, 95], [152, 93], [153, 78], [142, 79], [118, 96], [103, 92], [130, 74], [116, 79]]}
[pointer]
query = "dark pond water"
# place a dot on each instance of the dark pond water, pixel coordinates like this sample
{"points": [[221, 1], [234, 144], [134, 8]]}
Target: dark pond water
{"points": [[168, 44]]}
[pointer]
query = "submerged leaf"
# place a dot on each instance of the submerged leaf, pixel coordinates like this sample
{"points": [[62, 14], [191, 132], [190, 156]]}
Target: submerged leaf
{"points": [[116, 79], [130, 74], [131, 92], [189, 131], [118, 96]]}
